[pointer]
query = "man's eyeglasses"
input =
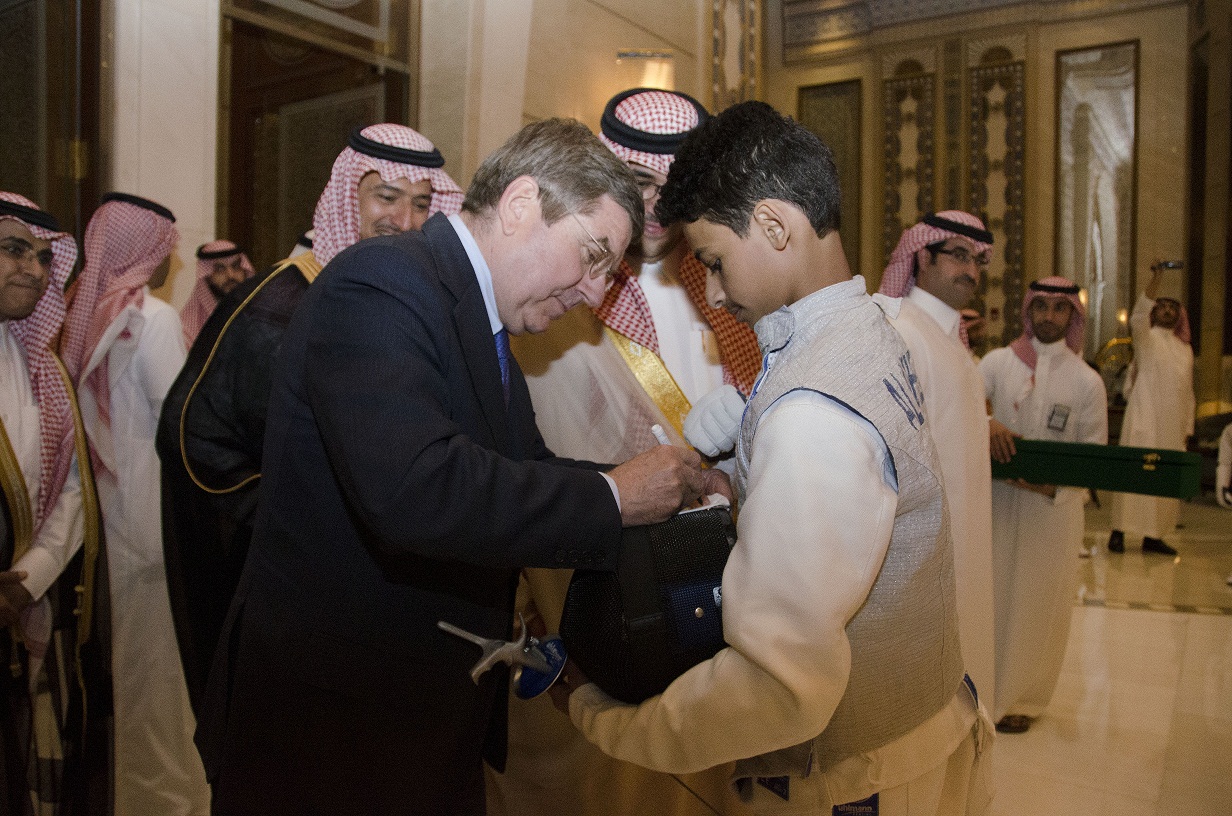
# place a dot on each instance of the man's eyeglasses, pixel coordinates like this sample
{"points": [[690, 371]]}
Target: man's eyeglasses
{"points": [[649, 187], [20, 251], [595, 259], [963, 256]]}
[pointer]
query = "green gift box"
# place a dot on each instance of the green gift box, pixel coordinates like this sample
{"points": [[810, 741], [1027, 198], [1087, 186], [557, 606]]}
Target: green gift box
{"points": [[1150, 471]]}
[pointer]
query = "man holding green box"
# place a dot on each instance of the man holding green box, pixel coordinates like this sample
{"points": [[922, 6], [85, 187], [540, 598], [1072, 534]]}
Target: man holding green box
{"points": [[1040, 388]]}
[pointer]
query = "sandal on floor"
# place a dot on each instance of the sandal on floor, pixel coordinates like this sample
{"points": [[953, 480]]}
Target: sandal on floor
{"points": [[1013, 724]]}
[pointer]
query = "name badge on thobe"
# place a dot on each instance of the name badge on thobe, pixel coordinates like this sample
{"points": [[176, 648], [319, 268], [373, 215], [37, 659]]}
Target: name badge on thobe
{"points": [[1058, 418]]}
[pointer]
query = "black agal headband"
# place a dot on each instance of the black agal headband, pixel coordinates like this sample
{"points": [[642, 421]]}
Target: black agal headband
{"points": [[1049, 289], [144, 203], [217, 253], [974, 233], [379, 150], [30, 215], [634, 139]]}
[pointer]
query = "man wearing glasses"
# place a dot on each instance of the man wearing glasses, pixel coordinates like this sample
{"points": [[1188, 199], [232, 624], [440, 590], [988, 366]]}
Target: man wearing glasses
{"points": [[405, 483], [600, 378], [935, 270], [49, 523], [653, 347]]}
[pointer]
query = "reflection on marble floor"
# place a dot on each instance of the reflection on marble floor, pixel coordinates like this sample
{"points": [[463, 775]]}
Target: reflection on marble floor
{"points": [[1193, 581], [1141, 721]]}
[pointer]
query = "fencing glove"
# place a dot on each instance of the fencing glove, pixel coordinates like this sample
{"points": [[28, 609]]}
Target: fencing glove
{"points": [[714, 423]]}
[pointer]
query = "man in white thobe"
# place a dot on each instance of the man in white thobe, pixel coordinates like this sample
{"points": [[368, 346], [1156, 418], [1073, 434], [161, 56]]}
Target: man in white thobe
{"points": [[1160, 411], [599, 380], [124, 348], [935, 269], [1039, 388], [47, 510]]}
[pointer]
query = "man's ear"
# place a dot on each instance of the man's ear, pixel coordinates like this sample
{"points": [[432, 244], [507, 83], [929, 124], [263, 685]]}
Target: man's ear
{"points": [[518, 205], [771, 221]]}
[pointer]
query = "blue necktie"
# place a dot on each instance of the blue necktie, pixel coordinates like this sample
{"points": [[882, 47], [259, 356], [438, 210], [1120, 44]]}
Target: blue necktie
{"points": [[502, 357]]}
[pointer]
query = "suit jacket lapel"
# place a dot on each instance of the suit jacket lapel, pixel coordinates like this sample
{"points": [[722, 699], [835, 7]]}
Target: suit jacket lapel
{"points": [[474, 330]]}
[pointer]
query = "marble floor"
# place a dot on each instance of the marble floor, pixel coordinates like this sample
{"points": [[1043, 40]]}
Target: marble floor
{"points": [[1141, 721]]}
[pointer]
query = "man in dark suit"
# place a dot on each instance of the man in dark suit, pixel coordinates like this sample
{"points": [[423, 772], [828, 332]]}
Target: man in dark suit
{"points": [[405, 483]]}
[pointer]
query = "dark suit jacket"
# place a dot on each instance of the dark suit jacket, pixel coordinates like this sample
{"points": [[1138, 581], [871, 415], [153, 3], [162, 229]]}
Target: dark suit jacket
{"points": [[214, 418], [398, 491]]}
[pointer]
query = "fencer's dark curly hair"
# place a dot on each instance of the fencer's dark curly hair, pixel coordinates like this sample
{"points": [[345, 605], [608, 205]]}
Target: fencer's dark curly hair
{"points": [[747, 153]]}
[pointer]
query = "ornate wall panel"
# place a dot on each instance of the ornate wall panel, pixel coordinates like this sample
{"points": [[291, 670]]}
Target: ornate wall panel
{"points": [[815, 22], [908, 117], [951, 107], [996, 182], [810, 25], [24, 160], [309, 133], [892, 12], [833, 112], [50, 105]]}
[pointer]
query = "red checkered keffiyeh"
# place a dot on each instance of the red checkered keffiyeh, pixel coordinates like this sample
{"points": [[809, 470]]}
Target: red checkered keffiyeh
{"points": [[644, 111], [898, 280], [125, 243], [35, 334], [202, 302], [336, 221], [646, 126], [624, 310], [1051, 288]]}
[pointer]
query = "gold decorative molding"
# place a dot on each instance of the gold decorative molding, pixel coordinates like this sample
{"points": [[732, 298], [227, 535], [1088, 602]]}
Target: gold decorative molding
{"points": [[891, 60], [1015, 44]]}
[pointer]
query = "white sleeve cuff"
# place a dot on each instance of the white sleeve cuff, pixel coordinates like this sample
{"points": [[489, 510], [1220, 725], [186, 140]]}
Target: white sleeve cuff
{"points": [[58, 540], [41, 568], [615, 490]]}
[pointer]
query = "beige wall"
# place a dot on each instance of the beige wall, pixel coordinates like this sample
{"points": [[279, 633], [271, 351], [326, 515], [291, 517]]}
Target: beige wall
{"points": [[160, 90], [472, 76], [489, 66]]}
